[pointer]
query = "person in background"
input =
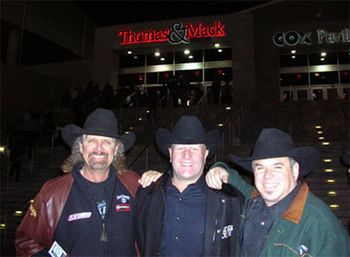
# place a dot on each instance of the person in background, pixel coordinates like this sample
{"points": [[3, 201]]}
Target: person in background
{"points": [[282, 217], [179, 215], [89, 211]]}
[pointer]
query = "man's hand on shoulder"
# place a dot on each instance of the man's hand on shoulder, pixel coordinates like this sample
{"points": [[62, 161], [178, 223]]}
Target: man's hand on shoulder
{"points": [[149, 177], [215, 177]]}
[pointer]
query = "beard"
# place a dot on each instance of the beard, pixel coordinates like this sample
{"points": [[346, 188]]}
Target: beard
{"points": [[98, 163]]}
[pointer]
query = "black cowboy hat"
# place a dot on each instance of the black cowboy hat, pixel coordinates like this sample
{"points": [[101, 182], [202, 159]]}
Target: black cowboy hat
{"points": [[274, 143], [101, 122], [187, 130]]}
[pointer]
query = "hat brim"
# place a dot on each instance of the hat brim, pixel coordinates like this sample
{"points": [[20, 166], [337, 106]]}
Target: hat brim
{"points": [[70, 132], [307, 157], [164, 141]]}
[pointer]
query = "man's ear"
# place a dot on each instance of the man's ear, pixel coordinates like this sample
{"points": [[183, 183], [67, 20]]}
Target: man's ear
{"points": [[116, 150], [295, 170], [170, 154], [80, 147]]}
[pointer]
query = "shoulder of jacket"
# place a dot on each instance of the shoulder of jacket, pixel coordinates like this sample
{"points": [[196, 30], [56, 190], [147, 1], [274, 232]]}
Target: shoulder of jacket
{"points": [[130, 181], [58, 182]]}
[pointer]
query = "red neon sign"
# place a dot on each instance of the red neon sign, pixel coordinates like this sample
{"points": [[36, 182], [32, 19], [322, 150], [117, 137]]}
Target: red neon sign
{"points": [[178, 33]]}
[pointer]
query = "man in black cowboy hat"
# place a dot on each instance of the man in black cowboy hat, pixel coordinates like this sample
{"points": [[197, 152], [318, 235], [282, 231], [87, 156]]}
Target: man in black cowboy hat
{"points": [[282, 217], [89, 211], [179, 215]]}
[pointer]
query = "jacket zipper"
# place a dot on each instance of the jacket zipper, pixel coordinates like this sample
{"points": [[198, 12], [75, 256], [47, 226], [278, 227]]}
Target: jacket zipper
{"points": [[103, 236]]}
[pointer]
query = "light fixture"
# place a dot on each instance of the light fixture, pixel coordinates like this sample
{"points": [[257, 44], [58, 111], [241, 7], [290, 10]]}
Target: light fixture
{"points": [[140, 118], [322, 59], [217, 45], [228, 108], [18, 213], [326, 143], [2, 226], [330, 180], [334, 206], [162, 59], [293, 51], [328, 170], [320, 132], [320, 138], [323, 54], [187, 51], [129, 52], [2, 148], [331, 193], [220, 50], [190, 57], [136, 57], [220, 125], [157, 53], [318, 126], [327, 160], [293, 56], [147, 111]]}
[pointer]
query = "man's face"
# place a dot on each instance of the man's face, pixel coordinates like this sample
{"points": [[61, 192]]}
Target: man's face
{"points": [[98, 152], [275, 178], [188, 161]]}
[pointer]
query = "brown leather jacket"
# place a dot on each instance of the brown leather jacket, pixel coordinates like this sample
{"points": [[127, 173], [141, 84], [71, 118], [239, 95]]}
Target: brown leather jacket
{"points": [[38, 225]]}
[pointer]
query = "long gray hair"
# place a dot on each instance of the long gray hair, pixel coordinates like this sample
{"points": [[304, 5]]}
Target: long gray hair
{"points": [[119, 160]]}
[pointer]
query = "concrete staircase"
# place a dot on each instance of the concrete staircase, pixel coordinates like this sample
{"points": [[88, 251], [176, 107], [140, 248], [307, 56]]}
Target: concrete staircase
{"points": [[239, 131]]}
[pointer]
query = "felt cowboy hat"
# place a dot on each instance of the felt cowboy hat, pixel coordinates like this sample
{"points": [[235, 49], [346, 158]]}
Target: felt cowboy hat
{"points": [[274, 143], [187, 130], [101, 122]]}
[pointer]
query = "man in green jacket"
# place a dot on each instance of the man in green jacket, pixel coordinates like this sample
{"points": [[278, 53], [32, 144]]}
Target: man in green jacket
{"points": [[281, 216]]}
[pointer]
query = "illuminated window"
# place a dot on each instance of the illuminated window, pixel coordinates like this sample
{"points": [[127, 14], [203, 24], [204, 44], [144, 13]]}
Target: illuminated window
{"points": [[315, 59], [344, 57], [181, 57], [155, 60], [294, 79], [345, 76], [324, 78], [129, 60], [288, 61], [214, 55], [225, 73], [131, 79]]}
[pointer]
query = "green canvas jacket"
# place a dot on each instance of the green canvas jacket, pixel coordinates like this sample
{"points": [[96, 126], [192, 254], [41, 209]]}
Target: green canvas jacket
{"points": [[308, 228]]}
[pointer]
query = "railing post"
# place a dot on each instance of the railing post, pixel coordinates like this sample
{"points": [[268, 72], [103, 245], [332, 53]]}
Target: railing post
{"points": [[146, 157], [222, 144]]}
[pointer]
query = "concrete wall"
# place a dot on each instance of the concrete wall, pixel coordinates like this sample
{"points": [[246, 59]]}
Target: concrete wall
{"points": [[58, 21]]}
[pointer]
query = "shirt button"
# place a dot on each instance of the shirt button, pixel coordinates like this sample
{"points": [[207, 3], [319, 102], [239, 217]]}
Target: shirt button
{"points": [[177, 218], [218, 231], [262, 223], [180, 198], [177, 238]]}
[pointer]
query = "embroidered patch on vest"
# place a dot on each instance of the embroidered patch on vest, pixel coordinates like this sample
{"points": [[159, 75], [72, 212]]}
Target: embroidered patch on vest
{"points": [[123, 198], [79, 216], [227, 231], [302, 249], [123, 207]]}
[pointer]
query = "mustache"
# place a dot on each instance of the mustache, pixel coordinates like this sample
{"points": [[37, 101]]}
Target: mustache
{"points": [[98, 154]]}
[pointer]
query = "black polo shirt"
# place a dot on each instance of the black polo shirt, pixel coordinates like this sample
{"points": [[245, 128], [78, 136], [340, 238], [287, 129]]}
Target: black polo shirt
{"points": [[184, 220]]}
